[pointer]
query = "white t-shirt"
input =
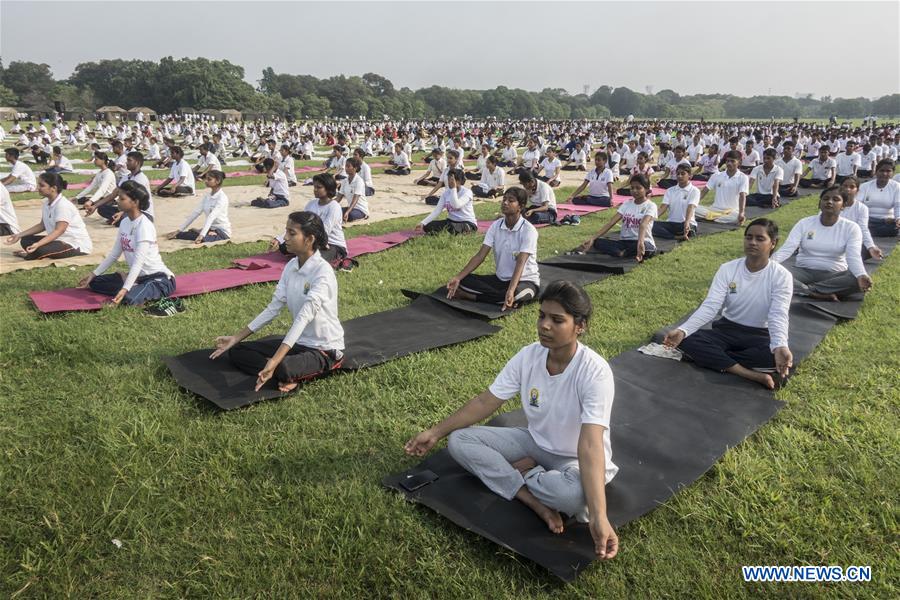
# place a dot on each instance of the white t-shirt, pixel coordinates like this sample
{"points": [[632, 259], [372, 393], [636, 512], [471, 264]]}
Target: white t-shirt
{"points": [[23, 174], [859, 214], [357, 187], [7, 212], [287, 167], [459, 204], [760, 299], [530, 158], [846, 163], [61, 209], [491, 180], [578, 157], [790, 168], [182, 169], [883, 203], [556, 406], [598, 183], [822, 169], [551, 167], [834, 248], [632, 215], [508, 243], [728, 189], [137, 241], [332, 217], [542, 194], [765, 182], [679, 198]]}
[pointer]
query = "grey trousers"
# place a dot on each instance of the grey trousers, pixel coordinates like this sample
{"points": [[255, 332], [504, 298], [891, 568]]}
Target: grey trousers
{"points": [[807, 281], [486, 452]]}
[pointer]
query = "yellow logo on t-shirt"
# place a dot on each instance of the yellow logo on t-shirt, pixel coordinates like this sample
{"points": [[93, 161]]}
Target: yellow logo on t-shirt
{"points": [[305, 288], [810, 235], [533, 401], [732, 288]]}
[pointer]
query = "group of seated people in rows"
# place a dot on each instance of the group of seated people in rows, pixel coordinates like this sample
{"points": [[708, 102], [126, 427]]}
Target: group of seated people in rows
{"points": [[561, 462]]}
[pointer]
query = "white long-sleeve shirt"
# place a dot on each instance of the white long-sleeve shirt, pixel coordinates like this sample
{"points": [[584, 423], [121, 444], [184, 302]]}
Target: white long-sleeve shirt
{"points": [[311, 294], [101, 185], [827, 248], [760, 299], [459, 204], [859, 214], [883, 203], [137, 241], [215, 207]]}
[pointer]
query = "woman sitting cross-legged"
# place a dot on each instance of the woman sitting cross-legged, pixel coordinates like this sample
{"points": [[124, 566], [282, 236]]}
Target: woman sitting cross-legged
{"points": [[514, 242], [562, 461], [315, 342], [459, 203], [754, 295], [829, 262], [636, 236], [148, 277]]}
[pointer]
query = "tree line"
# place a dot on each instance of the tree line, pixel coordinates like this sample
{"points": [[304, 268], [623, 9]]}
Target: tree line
{"points": [[199, 83]]}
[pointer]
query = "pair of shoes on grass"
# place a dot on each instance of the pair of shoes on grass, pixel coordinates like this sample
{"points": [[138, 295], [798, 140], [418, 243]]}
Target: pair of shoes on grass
{"points": [[569, 220], [165, 307]]}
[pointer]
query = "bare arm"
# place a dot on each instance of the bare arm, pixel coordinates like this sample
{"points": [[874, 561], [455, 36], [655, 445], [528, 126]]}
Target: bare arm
{"points": [[592, 466], [474, 411]]}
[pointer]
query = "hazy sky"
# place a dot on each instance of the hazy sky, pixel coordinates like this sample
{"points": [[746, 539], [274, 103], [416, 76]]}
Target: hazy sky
{"points": [[690, 47]]}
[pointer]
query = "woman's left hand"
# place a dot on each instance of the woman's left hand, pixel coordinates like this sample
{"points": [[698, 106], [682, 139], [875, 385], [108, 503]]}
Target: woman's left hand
{"points": [[640, 251], [606, 542], [265, 374], [117, 299]]}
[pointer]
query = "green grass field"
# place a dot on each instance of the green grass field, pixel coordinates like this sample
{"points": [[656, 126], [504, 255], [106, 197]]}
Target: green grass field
{"points": [[283, 499]]}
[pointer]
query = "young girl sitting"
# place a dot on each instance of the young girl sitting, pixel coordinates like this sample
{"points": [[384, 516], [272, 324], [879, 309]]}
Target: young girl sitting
{"points": [[514, 242], [458, 202], [562, 461], [315, 342], [148, 277], [642, 167], [493, 180], [636, 237], [754, 295], [400, 160], [214, 205], [66, 233], [599, 183], [859, 214]]}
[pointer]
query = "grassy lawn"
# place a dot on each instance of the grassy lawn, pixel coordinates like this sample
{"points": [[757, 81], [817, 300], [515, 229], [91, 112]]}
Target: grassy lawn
{"points": [[283, 499]]}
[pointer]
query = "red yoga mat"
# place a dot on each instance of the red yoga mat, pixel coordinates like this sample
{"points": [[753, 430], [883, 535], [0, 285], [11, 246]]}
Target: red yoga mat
{"points": [[189, 284]]}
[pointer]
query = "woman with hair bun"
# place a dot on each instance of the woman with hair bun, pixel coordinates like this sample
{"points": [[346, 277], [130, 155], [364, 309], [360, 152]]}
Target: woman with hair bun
{"points": [[66, 233], [315, 342]]}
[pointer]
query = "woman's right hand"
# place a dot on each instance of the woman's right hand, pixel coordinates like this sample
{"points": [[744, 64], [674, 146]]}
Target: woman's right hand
{"points": [[452, 286], [420, 444], [673, 338], [224, 343], [86, 281], [171, 235], [14, 238]]}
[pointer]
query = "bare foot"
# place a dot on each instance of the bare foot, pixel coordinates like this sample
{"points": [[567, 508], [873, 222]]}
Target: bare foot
{"points": [[763, 379], [549, 516], [287, 387], [523, 465], [20, 253]]}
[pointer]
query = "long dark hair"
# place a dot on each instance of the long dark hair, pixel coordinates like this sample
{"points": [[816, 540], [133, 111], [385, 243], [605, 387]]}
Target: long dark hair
{"points": [[54, 181]]}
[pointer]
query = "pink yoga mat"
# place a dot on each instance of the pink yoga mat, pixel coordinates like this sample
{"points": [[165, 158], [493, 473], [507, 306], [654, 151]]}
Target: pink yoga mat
{"points": [[189, 284]]}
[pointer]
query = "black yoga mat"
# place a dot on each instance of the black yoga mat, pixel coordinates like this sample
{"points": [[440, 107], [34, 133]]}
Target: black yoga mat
{"points": [[370, 340], [548, 273], [671, 421], [848, 308]]}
